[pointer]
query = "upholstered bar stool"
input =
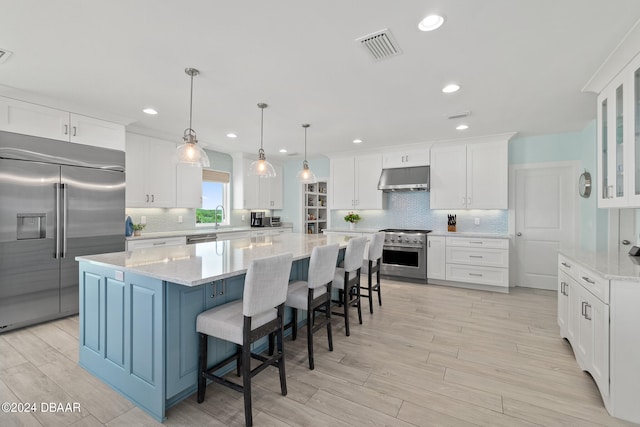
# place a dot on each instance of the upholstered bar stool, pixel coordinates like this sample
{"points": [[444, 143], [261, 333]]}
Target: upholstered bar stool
{"points": [[347, 280], [371, 266], [259, 313], [314, 294]]}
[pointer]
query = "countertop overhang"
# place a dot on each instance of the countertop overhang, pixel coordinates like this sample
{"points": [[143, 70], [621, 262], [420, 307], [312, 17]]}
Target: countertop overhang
{"points": [[610, 265]]}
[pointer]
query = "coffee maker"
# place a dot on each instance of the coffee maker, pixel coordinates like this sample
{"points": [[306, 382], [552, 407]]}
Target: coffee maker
{"points": [[257, 219]]}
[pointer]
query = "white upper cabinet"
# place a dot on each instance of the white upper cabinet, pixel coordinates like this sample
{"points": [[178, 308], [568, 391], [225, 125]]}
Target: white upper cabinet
{"points": [[151, 173], [37, 120], [618, 137], [188, 186], [448, 177], [470, 176], [405, 159], [99, 133], [252, 192], [354, 182]]}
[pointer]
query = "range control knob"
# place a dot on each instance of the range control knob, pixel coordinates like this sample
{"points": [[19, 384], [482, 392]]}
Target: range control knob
{"points": [[415, 240]]}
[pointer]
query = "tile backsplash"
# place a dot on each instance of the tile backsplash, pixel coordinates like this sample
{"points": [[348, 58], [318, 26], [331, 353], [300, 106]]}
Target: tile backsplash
{"points": [[166, 219], [411, 210]]}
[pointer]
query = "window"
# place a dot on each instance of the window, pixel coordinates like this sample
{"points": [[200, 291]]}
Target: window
{"points": [[215, 193]]}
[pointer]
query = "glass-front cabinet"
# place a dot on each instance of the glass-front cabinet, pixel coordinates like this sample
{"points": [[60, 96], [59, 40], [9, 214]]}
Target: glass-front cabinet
{"points": [[618, 135]]}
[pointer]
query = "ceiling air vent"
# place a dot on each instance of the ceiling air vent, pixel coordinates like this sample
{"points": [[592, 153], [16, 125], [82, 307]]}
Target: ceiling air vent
{"points": [[380, 44], [459, 115], [4, 55]]}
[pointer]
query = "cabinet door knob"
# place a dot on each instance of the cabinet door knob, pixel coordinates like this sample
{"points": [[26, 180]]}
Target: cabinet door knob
{"points": [[626, 242], [518, 234]]}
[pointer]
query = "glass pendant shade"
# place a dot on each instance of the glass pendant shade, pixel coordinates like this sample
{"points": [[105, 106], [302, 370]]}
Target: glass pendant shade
{"points": [[261, 167], [306, 176], [189, 152]]}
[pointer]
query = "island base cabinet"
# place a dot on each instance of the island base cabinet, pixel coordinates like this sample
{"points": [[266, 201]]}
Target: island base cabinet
{"points": [[122, 334], [138, 334]]}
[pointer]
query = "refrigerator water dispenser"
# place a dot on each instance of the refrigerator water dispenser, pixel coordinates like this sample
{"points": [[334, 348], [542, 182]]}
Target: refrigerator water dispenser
{"points": [[31, 226]]}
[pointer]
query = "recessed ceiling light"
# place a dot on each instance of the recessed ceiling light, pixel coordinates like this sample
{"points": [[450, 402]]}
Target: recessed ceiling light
{"points": [[431, 22], [232, 135], [462, 127], [451, 88], [283, 150], [150, 111], [357, 141]]}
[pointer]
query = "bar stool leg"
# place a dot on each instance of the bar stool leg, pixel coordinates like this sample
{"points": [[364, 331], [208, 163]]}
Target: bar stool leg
{"points": [[327, 310], [370, 281], [357, 287], [238, 360], [345, 301], [246, 383], [280, 338], [379, 293], [202, 366], [294, 327], [310, 337]]}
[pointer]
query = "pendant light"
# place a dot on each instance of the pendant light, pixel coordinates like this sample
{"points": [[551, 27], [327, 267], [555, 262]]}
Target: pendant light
{"points": [[189, 152], [262, 167], [306, 176]]}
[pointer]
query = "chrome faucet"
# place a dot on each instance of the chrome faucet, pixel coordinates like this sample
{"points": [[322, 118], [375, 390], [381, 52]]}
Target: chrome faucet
{"points": [[222, 209]]}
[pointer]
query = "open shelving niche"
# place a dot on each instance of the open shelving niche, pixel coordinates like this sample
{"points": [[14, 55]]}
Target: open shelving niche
{"points": [[315, 207]]}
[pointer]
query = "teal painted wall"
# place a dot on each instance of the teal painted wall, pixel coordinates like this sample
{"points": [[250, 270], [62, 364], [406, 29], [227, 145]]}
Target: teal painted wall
{"points": [[567, 146]]}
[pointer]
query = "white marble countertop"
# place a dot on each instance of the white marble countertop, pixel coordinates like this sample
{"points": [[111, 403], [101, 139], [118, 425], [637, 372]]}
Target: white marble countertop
{"points": [[193, 265], [610, 265], [469, 234], [202, 230]]}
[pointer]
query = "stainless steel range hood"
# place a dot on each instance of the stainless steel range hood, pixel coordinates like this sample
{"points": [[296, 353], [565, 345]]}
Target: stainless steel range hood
{"points": [[405, 179]]}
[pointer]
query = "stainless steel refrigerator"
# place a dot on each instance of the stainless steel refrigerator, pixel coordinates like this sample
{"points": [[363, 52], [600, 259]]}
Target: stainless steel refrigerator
{"points": [[58, 200]]}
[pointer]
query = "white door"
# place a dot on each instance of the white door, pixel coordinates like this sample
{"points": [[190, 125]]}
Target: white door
{"points": [[546, 220]]}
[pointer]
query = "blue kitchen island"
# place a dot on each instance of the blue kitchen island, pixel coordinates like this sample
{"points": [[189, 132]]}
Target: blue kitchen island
{"points": [[138, 311]]}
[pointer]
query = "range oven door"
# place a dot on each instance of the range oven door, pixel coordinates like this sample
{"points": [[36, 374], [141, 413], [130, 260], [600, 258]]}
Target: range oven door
{"points": [[404, 261]]}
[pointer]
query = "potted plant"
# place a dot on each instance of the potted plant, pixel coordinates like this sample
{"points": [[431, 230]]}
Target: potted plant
{"points": [[137, 228], [352, 218]]}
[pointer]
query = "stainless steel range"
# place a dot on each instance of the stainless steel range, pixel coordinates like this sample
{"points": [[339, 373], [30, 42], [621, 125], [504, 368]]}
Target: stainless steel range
{"points": [[405, 254]]}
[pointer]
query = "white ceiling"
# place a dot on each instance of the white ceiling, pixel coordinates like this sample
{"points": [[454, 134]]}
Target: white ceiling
{"points": [[521, 65]]}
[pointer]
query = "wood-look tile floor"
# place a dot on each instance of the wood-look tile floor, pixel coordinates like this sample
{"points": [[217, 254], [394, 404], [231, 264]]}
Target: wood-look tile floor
{"points": [[430, 356]]}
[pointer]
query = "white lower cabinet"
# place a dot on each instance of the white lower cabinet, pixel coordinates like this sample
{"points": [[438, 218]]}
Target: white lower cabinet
{"points": [[466, 260], [599, 317], [583, 317], [436, 257], [270, 232], [136, 244]]}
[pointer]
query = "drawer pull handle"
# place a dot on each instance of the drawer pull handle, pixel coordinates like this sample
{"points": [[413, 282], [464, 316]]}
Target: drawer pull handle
{"points": [[159, 243], [475, 274], [475, 256], [566, 265], [477, 243], [586, 279]]}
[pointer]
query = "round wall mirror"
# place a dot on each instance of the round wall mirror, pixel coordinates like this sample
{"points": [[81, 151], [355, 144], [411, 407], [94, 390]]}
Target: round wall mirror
{"points": [[584, 184]]}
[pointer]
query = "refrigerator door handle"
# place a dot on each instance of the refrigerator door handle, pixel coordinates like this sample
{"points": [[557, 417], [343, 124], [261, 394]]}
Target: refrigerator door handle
{"points": [[57, 253], [65, 211]]}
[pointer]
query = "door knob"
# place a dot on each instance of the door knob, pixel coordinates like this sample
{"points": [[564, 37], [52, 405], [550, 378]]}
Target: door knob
{"points": [[626, 242], [518, 234]]}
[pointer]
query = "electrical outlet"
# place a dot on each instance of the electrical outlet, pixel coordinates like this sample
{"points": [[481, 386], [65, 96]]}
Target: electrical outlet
{"points": [[179, 219], [143, 219], [477, 221], [243, 217]]}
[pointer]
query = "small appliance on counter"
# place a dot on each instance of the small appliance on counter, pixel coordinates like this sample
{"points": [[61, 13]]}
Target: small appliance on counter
{"points": [[257, 219], [275, 221]]}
